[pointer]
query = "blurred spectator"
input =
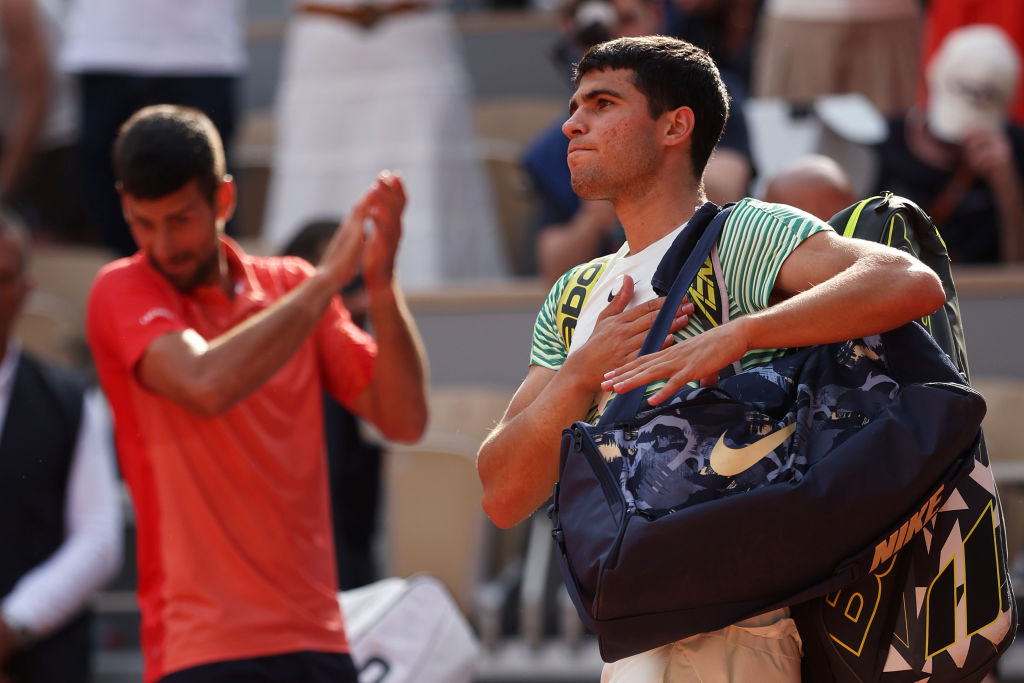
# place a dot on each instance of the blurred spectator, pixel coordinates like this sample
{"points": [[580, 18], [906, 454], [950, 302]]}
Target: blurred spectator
{"points": [[943, 16], [131, 54], [383, 85], [353, 463], [807, 48], [60, 515], [724, 28], [960, 159], [38, 164], [570, 231], [814, 183]]}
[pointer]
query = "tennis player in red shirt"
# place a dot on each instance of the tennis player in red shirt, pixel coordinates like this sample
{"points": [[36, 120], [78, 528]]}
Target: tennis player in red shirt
{"points": [[214, 362]]}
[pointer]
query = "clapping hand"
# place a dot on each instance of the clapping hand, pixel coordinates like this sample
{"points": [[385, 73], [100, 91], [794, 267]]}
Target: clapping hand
{"points": [[368, 236]]}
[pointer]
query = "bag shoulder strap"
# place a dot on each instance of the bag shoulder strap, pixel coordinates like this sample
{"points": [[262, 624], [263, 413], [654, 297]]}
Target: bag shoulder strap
{"points": [[900, 223]]}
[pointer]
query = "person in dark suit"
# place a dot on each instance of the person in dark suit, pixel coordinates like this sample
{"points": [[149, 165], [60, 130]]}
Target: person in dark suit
{"points": [[60, 519]]}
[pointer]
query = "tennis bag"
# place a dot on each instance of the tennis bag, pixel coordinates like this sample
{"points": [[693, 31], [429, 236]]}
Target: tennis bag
{"points": [[779, 486], [941, 607]]}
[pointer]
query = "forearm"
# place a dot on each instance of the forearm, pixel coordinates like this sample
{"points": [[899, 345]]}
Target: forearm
{"points": [[518, 462], [862, 300], [401, 374], [30, 73], [209, 378], [873, 295], [876, 292]]}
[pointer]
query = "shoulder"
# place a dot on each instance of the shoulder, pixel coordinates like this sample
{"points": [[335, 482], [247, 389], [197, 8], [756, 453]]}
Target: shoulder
{"points": [[126, 279], [121, 270], [65, 385], [52, 372], [580, 278], [753, 214], [127, 274]]}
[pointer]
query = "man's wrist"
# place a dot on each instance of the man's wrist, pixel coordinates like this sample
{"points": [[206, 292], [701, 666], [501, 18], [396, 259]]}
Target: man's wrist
{"points": [[386, 289]]}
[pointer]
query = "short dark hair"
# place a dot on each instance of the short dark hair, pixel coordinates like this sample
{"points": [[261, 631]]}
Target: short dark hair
{"points": [[163, 147], [671, 73]]}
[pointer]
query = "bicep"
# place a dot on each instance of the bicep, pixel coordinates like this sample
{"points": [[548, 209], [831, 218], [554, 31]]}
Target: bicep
{"points": [[821, 256]]}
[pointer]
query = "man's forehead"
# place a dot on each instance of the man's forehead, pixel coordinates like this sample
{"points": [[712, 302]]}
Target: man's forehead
{"points": [[608, 75], [618, 81], [184, 198]]}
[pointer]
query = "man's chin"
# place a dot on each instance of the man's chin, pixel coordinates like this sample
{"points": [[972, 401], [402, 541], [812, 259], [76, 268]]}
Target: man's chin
{"points": [[584, 190], [182, 283], [181, 280], [588, 188]]}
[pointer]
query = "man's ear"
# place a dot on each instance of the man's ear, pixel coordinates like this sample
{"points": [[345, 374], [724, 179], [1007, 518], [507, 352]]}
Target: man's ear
{"points": [[225, 198], [678, 125]]}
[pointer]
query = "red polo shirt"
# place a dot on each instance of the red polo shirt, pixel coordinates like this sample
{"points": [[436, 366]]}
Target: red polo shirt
{"points": [[233, 523]]}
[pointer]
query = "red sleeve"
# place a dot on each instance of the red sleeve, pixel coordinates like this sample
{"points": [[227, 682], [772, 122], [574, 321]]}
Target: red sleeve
{"points": [[345, 352], [128, 308]]}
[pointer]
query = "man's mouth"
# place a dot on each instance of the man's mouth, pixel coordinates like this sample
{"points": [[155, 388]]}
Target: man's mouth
{"points": [[176, 264]]}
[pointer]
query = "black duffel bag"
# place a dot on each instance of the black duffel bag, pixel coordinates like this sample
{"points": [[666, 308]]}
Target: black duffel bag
{"points": [[784, 483]]}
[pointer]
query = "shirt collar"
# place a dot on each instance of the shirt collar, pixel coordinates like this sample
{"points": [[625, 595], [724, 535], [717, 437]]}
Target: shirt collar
{"points": [[240, 265]]}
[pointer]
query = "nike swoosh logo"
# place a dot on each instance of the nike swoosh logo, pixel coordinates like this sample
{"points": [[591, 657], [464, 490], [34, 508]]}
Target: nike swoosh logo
{"points": [[729, 462], [612, 295]]}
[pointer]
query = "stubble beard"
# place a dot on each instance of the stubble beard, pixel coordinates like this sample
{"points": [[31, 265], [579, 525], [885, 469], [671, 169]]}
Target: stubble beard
{"points": [[587, 185], [185, 283]]}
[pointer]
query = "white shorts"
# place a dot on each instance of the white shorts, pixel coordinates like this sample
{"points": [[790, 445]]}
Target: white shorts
{"points": [[765, 648]]}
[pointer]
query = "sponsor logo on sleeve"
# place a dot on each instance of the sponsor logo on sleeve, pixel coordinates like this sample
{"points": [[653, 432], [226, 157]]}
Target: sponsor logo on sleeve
{"points": [[155, 313]]}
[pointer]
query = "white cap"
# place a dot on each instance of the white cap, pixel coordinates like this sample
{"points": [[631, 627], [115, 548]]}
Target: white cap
{"points": [[972, 80]]}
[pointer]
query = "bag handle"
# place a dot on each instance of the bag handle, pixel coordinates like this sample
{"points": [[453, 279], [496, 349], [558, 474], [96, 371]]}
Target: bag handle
{"points": [[626, 406]]}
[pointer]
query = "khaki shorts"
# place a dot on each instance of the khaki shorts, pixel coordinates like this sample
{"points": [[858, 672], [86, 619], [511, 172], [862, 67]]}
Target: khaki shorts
{"points": [[766, 649]]}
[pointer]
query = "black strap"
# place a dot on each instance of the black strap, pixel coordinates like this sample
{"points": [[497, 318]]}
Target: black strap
{"points": [[626, 406]]}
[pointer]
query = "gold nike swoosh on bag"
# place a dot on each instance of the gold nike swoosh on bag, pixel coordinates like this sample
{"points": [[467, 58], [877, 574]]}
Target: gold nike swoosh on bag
{"points": [[729, 462]]}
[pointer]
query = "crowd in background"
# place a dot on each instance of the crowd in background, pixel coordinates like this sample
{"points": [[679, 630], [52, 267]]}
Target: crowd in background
{"points": [[940, 119], [74, 70]]}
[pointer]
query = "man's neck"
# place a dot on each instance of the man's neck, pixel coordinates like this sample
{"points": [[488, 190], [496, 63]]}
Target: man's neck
{"points": [[222, 275], [647, 219], [227, 278]]}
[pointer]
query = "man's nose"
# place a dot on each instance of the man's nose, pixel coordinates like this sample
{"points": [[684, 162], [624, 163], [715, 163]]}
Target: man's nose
{"points": [[160, 243], [573, 126]]}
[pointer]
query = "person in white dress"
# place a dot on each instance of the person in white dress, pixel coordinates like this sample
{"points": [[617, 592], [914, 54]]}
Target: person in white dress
{"points": [[373, 86]]}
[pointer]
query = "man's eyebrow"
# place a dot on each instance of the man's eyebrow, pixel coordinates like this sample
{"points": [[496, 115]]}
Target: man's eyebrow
{"points": [[574, 103]]}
